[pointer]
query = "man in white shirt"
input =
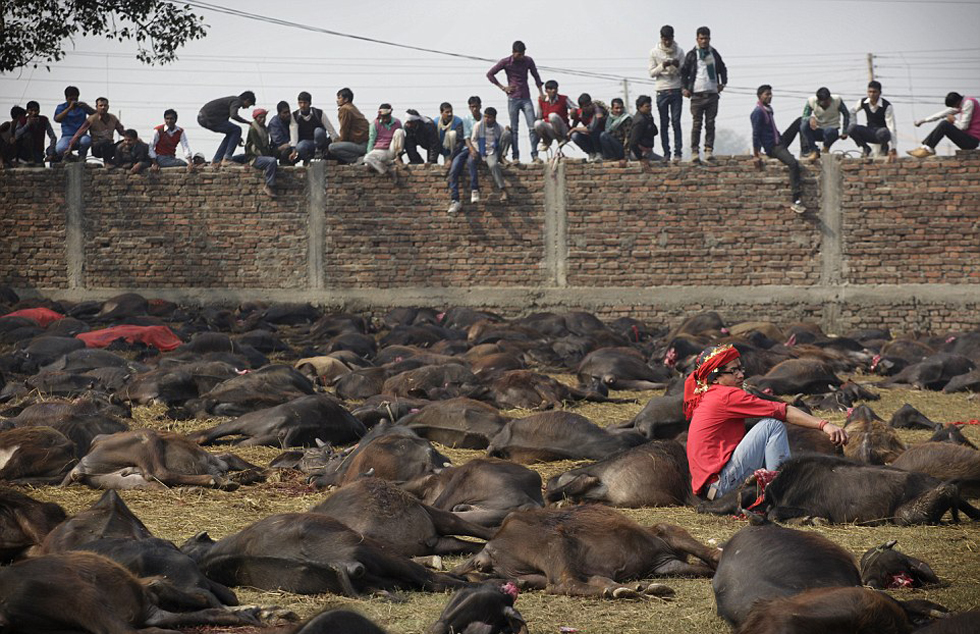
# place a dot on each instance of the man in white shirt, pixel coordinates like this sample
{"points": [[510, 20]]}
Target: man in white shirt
{"points": [[166, 138], [488, 142], [961, 125], [665, 68], [703, 77], [881, 123]]}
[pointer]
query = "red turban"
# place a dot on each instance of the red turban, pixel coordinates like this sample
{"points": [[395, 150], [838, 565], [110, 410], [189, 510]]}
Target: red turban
{"points": [[696, 383]]}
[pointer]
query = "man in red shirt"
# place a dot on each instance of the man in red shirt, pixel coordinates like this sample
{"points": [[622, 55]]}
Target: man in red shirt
{"points": [[721, 454]]}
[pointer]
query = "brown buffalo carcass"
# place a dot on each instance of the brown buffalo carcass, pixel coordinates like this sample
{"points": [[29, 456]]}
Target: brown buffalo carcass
{"points": [[145, 458], [652, 474], [457, 422], [559, 435], [485, 609], [797, 376], [378, 509], [24, 523], [589, 551], [945, 461], [840, 491], [765, 562], [35, 455], [884, 567], [310, 553], [483, 491]]}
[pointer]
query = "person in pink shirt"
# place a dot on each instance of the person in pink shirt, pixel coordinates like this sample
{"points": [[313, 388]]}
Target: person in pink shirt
{"points": [[721, 454]]}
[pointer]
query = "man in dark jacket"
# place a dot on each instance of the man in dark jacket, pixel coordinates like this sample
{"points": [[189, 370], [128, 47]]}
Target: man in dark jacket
{"points": [[131, 153], [766, 136], [421, 131], [703, 77], [643, 133], [216, 116]]}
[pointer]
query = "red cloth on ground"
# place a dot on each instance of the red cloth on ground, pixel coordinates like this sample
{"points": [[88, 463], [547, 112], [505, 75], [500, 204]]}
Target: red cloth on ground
{"points": [[719, 425], [43, 316], [160, 337]]}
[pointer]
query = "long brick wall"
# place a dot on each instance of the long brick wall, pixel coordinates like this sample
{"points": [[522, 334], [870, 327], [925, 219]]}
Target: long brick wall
{"points": [[896, 245]]}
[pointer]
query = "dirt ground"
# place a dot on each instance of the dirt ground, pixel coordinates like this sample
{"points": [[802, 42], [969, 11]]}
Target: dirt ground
{"points": [[953, 550]]}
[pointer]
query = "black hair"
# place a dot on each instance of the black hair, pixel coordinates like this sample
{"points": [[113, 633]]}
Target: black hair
{"points": [[551, 83], [667, 31], [518, 47], [474, 101], [105, 99], [384, 106], [131, 134], [17, 112], [763, 88], [490, 111], [703, 30], [346, 93], [875, 84], [643, 99], [304, 96], [823, 93], [617, 100], [33, 105], [168, 112], [584, 99], [248, 95], [283, 105], [953, 100], [71, 90], [445, 105]]}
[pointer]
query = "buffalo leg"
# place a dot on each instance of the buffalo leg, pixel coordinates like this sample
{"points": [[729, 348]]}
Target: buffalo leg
{"points": [[447, 523], [455, 546], [676, 567], [575, 489], [681, 541]]}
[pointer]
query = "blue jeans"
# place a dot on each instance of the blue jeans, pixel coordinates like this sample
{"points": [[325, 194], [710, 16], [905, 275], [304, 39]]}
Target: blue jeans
{"points": [[612, 148], [307, 147], [83, 144], [170, 161], [233, 134], [810, 136], [456, 170], [269, 164], [588, 142], [764, 446], [670, 100], [863, 135], [514, 108]]}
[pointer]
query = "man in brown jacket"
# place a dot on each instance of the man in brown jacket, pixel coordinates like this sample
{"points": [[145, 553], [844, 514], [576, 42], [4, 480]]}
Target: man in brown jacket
{"points": [[353, 130]]}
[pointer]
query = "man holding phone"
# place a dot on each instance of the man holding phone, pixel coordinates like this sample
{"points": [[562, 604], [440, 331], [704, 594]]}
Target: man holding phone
{"points": [[665, 68]]}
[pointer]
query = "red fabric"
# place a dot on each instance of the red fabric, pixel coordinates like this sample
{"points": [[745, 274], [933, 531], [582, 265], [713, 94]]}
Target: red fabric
{"points": [[159, 337], [719, 425], [43, 316], [167, 143], [696, 383]]}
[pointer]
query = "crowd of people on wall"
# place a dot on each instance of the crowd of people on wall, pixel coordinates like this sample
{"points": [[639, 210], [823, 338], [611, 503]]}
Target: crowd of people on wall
{"points": [[602, 131]]}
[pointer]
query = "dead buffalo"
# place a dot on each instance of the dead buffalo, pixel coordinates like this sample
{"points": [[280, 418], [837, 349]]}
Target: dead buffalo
{"points": [[652, 474], [457, 422], [361, 383], [559, 435], [176, 383], [529, 390], [80, 420], [661, 417], [840, 491], [266, 387], [873, 442], [35, 455], [932, 373], [380, 510], [907, 417], [393, 453], [483, 491], [484, 609], [310, 553], [951, 433], [146, 459], [621, 369], [589, 551], [797, 376], [969, 382], [83, 591], [435, 382], [884, 567], [24, 523], [336, 621], [765, 562], [108, 518], [299, 423], [945, 461]]}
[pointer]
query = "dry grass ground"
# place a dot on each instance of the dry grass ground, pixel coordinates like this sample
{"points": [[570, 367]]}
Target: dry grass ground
{"points": [[952, 550]]}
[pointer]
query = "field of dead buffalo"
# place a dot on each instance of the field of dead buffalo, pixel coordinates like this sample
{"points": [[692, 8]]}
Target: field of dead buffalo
{"points": [[285, 468]]}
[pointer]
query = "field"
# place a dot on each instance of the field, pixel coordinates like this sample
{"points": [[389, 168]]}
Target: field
{"points": [[952, 550]]}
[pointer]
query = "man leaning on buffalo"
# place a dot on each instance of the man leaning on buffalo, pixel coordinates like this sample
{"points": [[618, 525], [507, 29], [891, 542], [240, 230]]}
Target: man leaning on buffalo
{"points": [[720, 452]]}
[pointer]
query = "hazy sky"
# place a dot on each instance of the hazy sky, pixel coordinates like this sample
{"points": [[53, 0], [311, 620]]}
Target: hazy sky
{"points": [[923, 49]]}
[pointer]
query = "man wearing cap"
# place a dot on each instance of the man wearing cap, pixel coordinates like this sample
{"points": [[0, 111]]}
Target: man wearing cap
{"points": [[386, 140], [720, 452], [259, 152]]}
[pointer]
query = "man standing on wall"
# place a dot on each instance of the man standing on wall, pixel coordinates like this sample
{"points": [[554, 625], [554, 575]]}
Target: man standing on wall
{"points": [[961, 125], [516, 67], [881, 127], [703, 77], [665, 68], [352, 142], [766, 136], [821, 121], [216, 116]]}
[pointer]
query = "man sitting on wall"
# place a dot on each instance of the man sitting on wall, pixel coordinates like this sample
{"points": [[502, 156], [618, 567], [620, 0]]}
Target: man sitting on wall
{"points": [[352, 142], [131, 153], [552, 116], [615, 138], [421, 131], [643, 132], [166, 138], [961, 125], [279, 133], [488, 142], [766, 136], [310, 131], [588, 124], [386, 140], [821, 121], [101, 126], [71, 115], [30, 133], [881, 127]]}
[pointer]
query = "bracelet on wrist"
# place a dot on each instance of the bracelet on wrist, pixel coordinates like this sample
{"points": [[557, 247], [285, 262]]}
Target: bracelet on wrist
{"points": [[823, 424]]}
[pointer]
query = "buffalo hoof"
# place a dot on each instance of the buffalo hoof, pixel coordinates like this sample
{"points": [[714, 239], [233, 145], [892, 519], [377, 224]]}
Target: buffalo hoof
{"points": [[622, 592], [658, 590]]}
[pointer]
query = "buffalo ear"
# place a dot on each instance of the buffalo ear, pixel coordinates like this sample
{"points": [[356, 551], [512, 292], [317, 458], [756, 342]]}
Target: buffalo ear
{"points": [[889, 544]]}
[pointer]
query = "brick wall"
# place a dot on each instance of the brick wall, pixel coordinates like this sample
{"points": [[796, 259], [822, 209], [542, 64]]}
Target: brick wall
{"points": [[896, 245]]}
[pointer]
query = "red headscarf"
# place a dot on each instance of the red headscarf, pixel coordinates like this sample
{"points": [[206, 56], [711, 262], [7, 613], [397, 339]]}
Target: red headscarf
{"points": [[696, 383]]}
